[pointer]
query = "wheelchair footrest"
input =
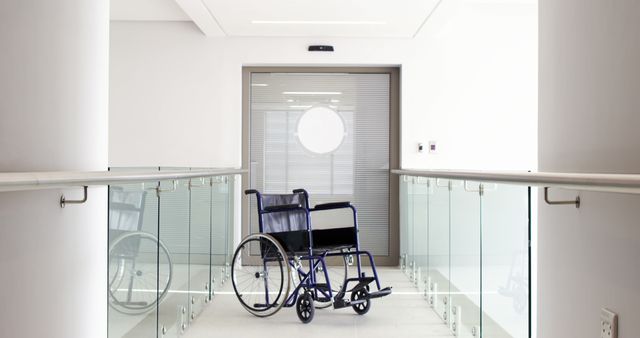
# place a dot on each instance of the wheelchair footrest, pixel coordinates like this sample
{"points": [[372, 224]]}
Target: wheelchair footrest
{"points": [[380, 293], [339, 303], [362, 282]]}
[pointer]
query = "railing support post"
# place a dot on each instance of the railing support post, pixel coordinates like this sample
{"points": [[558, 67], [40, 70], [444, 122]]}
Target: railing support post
{"points": [[575, 202], [64, 201]]}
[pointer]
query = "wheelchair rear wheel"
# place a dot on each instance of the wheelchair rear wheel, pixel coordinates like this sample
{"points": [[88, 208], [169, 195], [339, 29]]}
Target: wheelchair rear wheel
{"points": [[134, 274], [260, 275]]}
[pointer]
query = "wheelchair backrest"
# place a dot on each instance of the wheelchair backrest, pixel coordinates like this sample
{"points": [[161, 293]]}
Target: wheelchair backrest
{"points": [[284, 221], [126, 209]]}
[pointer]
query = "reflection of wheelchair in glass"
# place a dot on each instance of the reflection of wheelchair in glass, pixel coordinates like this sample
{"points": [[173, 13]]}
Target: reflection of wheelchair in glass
{"points": [[517, 286], [140, 267], [286, 249]]}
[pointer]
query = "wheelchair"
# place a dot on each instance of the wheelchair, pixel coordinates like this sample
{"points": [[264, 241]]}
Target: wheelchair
{"points": [[133, 254], [285, 264]]}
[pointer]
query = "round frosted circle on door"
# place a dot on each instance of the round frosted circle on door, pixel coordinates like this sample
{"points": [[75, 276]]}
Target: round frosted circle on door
{"points": [[320, 130]]}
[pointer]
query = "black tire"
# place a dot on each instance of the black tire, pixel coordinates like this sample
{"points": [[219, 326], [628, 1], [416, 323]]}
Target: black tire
{"points": [[364, 307], [305, 308], [261, 283]]}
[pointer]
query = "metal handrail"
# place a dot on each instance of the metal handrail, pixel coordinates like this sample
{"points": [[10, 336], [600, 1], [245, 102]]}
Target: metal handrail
{"points": [[621, 183], [60, 179]]}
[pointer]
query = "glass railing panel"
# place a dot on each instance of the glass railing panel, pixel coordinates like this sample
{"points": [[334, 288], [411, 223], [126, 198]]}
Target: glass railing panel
{"points": [[233, 182], [410, 229], [171, 245], [438, 248], [133, 269], [404, 221], [199, 245], [420, 220], [505, 261], [221, 232], [465, 259], [173, 312]]}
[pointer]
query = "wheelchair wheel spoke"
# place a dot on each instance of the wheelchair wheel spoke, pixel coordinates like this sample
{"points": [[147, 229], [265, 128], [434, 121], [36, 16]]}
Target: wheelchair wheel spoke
{"points": [[140, 283], [259, 279]]}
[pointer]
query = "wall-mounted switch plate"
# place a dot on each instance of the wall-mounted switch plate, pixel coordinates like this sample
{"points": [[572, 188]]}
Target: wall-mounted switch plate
{"points": [[608, 324], [433, 147]]}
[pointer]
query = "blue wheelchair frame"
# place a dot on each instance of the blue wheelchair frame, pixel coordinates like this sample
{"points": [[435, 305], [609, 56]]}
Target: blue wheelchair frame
{"points": [[308, 280]]}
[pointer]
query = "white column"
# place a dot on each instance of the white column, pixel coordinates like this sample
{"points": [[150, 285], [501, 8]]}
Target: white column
{"points": [[53, 116], [588, 122]]}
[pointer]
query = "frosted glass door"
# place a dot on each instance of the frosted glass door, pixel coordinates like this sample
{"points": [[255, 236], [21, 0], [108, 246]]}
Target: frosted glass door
{"points": [[329, 134]]}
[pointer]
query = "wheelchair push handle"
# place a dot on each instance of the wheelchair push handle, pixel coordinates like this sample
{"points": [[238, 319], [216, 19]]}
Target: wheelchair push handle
{"points": [[251, 191]]}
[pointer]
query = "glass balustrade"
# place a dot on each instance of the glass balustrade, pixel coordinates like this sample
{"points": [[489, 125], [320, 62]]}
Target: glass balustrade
{"points": [[200, 225], [465, 242], [465, 246], [505, 261], [439, 247], [170, 245], [133, 260]]}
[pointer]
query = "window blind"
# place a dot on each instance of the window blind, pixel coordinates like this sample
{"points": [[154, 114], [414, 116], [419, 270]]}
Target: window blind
{"points": [[356, 171]]}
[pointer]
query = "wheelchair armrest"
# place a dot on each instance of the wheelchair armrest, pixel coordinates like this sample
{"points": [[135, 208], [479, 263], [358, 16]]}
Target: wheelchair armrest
{"points": [[333, 205], [281, 208]]}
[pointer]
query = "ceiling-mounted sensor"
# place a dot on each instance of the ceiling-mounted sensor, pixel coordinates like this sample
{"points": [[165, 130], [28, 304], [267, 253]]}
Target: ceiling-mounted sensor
{"points": [[320, 48]]}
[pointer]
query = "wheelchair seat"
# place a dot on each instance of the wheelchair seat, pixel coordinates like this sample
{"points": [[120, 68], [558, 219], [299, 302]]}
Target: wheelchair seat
{"points": [[286, 218]]}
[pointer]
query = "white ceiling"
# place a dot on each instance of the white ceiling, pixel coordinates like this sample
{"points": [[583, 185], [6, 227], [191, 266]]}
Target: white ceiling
{"points": [[309, 18], [147, 10]]}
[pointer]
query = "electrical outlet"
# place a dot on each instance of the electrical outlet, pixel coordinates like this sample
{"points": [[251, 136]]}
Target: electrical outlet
{"points": [[608, 324]]}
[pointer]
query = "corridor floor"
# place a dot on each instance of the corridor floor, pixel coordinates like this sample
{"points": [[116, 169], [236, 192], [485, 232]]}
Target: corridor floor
{"points": [[403, 314]]}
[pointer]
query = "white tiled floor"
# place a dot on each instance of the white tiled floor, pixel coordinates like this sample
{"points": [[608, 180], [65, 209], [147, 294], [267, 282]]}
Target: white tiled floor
{"points": [[403, 314]]}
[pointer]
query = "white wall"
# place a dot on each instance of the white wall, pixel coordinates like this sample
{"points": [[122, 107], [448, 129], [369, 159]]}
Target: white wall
{"points": [[589, 85], [468, 81], [53, 116]]}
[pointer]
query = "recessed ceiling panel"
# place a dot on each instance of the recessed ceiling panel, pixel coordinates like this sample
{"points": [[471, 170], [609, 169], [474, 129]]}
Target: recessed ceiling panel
{"points": [[330, 18]]}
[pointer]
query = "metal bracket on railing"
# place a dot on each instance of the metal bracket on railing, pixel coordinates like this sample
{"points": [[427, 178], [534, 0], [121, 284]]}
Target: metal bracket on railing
{"points": [[64, 201], [172, 189], [421, 180], [480, 189], [446, 185], [218, 179], [575, 202], [191, 185]]}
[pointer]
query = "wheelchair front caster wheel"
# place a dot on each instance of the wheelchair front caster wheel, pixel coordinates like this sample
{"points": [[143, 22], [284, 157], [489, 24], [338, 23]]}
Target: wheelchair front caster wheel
{"points": [[305, 308], [361, 307]]}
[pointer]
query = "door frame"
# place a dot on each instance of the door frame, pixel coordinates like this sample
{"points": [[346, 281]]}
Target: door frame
{"points": [[392, 259]]}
